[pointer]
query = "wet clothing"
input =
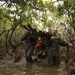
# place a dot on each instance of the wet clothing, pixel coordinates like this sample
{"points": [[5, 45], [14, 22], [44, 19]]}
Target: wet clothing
{"points": [[53, 50], [32, 40]]}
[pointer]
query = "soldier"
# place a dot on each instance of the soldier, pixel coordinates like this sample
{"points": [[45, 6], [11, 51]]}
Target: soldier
{"points": [[53, 51], [32, 40]]}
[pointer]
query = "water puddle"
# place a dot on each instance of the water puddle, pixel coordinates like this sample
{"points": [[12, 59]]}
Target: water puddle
{"points": [[24, 68]]}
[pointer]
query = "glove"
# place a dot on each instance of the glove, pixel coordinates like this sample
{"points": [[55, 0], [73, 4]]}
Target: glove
{"points": [[70, 45]]}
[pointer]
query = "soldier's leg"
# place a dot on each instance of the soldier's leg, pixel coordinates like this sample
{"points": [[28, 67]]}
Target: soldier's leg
{"points": [[27, 48], [56, 60], [50, 58], [29, 54], [42, 54]]}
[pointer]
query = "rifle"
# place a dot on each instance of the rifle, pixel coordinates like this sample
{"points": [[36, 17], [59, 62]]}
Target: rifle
{"points": [[26, 28], [30, 28]]}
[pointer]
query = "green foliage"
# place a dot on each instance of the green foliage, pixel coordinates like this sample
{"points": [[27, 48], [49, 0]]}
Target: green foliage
{"points": [[60, 9], [39, 14]]}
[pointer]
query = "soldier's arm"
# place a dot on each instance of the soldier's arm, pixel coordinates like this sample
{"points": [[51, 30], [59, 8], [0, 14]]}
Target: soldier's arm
{"points": [[63, 43], [25, 36]]}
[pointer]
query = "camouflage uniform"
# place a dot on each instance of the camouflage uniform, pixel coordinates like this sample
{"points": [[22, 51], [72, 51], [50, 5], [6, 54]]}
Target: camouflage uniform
{"points": [[32, 42], [53, 51]]}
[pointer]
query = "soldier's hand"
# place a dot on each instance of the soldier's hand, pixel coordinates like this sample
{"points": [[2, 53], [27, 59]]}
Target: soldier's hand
{"points": [[70, 45], [53, 37]]}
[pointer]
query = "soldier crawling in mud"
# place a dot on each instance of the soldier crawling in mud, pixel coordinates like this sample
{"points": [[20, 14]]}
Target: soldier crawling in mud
{"points": [[53, 49]]}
